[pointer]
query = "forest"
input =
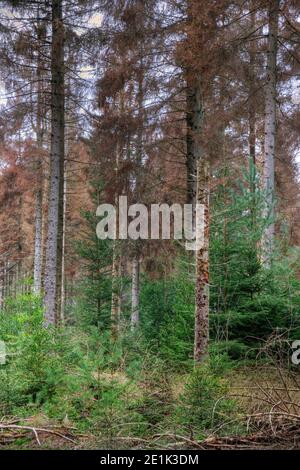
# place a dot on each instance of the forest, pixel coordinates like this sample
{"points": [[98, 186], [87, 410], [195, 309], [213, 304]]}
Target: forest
{"points": [[149, 224]]}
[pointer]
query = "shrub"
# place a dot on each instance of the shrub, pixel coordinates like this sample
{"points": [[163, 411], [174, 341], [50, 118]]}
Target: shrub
{"points": [[204, 405]]}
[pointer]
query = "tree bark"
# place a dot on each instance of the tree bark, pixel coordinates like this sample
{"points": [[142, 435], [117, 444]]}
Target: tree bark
{"points": [[61, 304], [135, 292], [38, 250], [198, 193], [115, 297], [270, 127], [137, 245], [191, 162], [202, 268], [252, 92], [197, 188], [37, 270], [55, 210]]}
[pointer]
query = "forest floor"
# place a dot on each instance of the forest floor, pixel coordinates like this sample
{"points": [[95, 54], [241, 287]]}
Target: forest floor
{"points": [[268, 397]]}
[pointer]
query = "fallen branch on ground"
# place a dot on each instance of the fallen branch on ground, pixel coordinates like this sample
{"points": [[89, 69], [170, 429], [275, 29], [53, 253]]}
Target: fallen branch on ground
{"points": [[36, 430]]}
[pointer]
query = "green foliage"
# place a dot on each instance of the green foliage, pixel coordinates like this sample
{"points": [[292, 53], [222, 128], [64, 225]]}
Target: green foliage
{"points": [[113, 388], [27, 344], [177, 330], [167, 315], [204, 405], [125, 388], [94, 291], [236, 230], [42, 364], [248, 302], [155, 302]]}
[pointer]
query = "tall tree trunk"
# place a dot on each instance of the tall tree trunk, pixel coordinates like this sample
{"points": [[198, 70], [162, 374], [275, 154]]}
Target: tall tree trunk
{"points": [[115, 297], [191, 163], [69, 135], [137, 248], [55, 210], [135, 292], [202, 267], [38, 250], [270, 126], [252, 103], [252, 92], [60, 249], [63, 277], [198, 193], [37, 269]]}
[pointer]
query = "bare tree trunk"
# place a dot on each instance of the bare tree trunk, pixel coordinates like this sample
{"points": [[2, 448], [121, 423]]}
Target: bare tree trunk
{"points": [[270, 126], [37, 270], [252, 92], [63, 278], [252, 102], [115, 297], [191, 163], [60, 255], [198, 193], [135, 293], [55, 225], [38, 251], [45, 190], [60, 244], [202, 268], [137, 248]]}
